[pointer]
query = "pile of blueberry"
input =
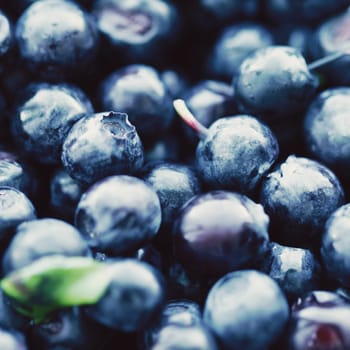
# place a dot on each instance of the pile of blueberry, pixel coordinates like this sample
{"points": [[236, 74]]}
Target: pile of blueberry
{"points": [[174, 175]]}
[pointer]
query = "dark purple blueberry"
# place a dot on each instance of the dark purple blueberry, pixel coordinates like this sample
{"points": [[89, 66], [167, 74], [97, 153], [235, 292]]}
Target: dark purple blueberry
{"points": [[67, 329], [42, 237], [335, 246], [233, 45], [326, 131], [136, 31], [15, 208], [274, 83], [65, 193], [100, 145], [332, 36], [119, 214], [220, 231], [134, 298], [56, 38], [44, 117], [208, 100], [246, 310], [299, 196], [296, 270], [139, 91], [319, 321], [236, 153]]}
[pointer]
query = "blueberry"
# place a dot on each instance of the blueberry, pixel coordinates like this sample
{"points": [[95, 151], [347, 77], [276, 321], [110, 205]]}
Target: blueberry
{"points": [[56, 38], [233, 45], [174, 81], [16, 172], [119, 214], [185, 338], [218, 232], [175, 184], [100, 145], [335, 243], [325, 129], [273, 83], [134, 298], [296, 270], [65, 193], [43, 118], [330, 37], [299, 196], [246, 310], [136, 31], [208, 100], [176, 312], [12, 340], [15, 208], [319, 320], [6, 35], [236, 153], [42, 237], [139, 91]]}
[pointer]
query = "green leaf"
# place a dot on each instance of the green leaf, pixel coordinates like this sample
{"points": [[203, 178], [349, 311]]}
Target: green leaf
{"points": [[55, 282]]}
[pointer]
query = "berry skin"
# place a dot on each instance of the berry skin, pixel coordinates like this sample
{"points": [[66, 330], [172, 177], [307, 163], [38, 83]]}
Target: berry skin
{"points": [[42, 237], [335, 246], [100, 145], [208, 100], [175, 184], [218, 232], [274, 83], [319, 321], [11, 340], [44, 117], [133, 299], [139, 91], [233, 45], [330, 37], [326, 129], [299, 196], [236, 153], [56, 38], [15, 208], [246, 310], [296, 270], [118, 214], [136, 30], [65, 194]]}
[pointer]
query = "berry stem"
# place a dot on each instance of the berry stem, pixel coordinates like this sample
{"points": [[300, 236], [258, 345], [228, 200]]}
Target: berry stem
{"points": [[183, 111], [327, 59]]}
